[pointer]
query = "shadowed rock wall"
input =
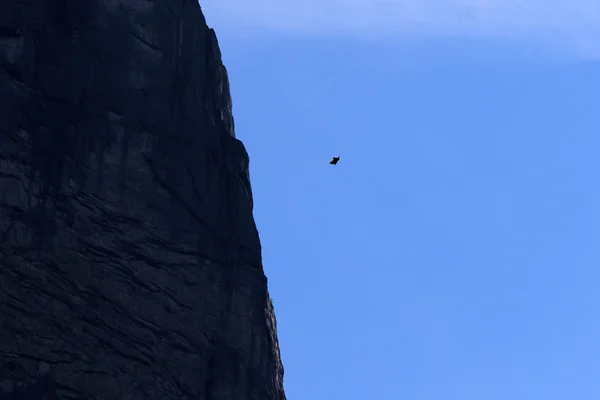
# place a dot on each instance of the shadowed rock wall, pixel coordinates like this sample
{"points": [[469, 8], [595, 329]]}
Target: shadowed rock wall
{"points": [[130, 264]]}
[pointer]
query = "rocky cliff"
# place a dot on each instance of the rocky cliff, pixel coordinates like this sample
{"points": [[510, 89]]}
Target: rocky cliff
{"points": [[130, 264]]}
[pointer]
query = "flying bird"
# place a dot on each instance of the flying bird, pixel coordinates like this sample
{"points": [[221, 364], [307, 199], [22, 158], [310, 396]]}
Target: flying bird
{"points": [[334, 161]]}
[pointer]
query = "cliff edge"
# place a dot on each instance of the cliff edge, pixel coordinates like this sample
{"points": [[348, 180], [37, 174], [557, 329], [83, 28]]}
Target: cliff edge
{"points": [[130, 263]]}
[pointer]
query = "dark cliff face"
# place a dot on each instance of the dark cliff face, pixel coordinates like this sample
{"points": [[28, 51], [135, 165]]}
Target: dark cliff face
{"points": [[130, 264]]}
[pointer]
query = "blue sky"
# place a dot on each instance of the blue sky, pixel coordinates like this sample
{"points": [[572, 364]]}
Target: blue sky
{"points": [[453, 252]]}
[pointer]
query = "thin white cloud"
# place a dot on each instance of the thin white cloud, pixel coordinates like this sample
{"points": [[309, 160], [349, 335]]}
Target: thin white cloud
{"points": [[575, 23]]}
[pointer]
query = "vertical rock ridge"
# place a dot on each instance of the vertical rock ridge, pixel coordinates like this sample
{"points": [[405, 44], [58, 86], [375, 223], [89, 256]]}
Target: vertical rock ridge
{"points": [[130, 263]]}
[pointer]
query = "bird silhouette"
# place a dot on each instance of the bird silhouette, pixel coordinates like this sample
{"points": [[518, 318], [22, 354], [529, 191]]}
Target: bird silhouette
{"points": [[334, 161]]}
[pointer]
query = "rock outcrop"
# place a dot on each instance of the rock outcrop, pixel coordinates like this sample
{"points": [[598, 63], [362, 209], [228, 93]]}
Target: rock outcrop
{"points": [[130, 264]]}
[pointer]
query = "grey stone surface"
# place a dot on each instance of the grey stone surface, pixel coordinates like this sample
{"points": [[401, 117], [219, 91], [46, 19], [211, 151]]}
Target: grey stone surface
{"points": [[130, 264]]}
